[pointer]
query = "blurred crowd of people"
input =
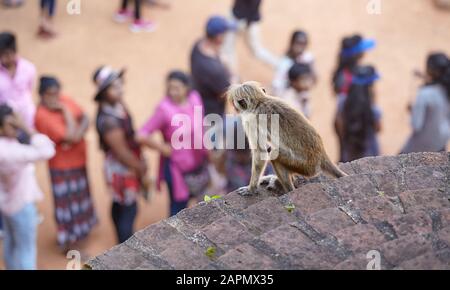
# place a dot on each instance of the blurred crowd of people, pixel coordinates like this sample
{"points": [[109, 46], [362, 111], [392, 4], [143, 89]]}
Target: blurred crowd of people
{"points": [[55, 129]]}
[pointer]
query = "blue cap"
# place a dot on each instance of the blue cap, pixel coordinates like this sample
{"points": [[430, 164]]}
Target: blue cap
{"points": [[365, 75], [217, 25], [362, 46]]}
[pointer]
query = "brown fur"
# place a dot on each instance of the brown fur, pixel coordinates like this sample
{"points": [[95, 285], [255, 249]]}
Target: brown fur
{"points": [[301, 149]]}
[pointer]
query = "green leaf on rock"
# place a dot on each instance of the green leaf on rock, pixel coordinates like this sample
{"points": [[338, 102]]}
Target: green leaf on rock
{"points": [[290, 207], [210, 252], [208, 198]]}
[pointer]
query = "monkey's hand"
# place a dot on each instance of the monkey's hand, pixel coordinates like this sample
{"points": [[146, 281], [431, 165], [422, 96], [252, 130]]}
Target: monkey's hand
{"points": [[246, 191]]}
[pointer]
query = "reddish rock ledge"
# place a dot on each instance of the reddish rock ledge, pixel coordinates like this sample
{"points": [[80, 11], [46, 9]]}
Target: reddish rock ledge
{"points": [[398, 206]]}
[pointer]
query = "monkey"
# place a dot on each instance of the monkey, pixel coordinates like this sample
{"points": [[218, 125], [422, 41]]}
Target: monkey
{"points": [[299, 149]]}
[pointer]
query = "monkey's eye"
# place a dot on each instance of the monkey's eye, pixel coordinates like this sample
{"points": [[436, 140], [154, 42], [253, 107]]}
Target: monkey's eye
{"points": [[242, 104], [264, 90]]}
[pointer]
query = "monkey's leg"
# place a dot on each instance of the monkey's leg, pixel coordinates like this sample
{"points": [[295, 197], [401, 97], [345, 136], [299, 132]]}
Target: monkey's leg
{"points": [[286, 156], [284, 176], [258, 166]]}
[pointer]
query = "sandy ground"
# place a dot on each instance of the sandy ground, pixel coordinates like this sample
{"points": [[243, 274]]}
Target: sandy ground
{"points": [[406, 31]]}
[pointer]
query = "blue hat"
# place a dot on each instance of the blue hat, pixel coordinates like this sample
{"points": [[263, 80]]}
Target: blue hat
{"points": [[360, 47], [217, 25], [364, 75]]}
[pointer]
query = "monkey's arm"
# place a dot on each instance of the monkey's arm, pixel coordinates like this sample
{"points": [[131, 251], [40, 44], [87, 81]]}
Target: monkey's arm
{"points": [[260, 156], [258, 166]]}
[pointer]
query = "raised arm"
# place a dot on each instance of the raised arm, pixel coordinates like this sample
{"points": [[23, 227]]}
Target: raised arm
{"points": [[81, 128], [41, 148], [146, 137], [418, 112]]}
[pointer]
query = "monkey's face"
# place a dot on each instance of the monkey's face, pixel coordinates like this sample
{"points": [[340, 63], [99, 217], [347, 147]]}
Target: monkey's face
{"points": [[245, 97]]}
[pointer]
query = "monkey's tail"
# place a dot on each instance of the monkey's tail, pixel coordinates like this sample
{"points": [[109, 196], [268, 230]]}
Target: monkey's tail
{"points": [[329, 167]]}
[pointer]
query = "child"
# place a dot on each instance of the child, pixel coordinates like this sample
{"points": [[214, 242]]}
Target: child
{"points": [[19, 189], [175, 164], [63, 121], [352, 51], [430, 114], [17, 77], [296, 53], [246, 17], [359, 119], [138, 24], [301, 80], [125, 168], [46, 28]]}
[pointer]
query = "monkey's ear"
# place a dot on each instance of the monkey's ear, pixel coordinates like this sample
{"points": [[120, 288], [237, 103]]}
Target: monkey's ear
{"points": [[231, 92]]}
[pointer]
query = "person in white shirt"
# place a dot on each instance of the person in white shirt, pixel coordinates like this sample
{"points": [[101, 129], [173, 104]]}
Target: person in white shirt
{"points": [[19, 189], [297, 53]]}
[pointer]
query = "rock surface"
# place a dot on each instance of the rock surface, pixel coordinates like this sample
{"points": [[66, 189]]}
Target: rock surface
{"points": [[398, 206]]}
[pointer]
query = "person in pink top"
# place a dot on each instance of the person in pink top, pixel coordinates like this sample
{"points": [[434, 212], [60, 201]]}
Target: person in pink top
{"points": [[17, 79], [178, 163], [19, 189]]}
